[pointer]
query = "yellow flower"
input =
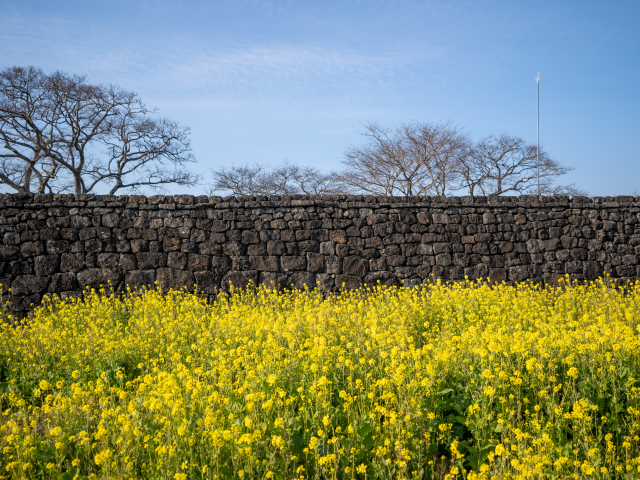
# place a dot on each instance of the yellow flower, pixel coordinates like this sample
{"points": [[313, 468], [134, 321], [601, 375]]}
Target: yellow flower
{"points": [[258, 371]]}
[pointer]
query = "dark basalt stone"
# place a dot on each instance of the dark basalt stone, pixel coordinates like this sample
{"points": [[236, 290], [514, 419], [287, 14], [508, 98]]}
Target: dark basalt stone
{"points": [[62, 243]]}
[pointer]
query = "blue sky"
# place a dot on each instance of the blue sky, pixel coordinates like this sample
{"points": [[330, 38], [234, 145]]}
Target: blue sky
{"points": [[261, 81]]}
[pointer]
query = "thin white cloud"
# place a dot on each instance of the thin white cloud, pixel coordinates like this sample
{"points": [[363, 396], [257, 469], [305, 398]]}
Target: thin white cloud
{"points": [[281, 71], [178, 69], [274, 64]]}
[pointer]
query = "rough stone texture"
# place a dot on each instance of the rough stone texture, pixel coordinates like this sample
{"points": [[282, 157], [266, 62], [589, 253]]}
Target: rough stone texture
{"points": [[46, 264], [274, 280], [348, 282], [355, 266], [151, 260], [302, 280], [172, 278], [29, 284], [63, 282], [63, 244], [239, 279], [382, 278], [296, 263], [100, 277], [208, 282], [140, 278]]}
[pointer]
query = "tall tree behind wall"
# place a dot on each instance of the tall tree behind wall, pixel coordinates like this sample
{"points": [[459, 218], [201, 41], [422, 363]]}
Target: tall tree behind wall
{"points": [[423, 158], [417, 158], [59, 133], [504, 164]]}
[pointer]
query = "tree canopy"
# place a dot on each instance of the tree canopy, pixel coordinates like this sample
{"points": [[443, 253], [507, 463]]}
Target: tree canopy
{"points": [[59, 133]]}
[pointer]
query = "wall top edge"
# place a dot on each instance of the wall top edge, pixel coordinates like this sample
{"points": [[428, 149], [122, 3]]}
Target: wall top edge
{"points": [[345, 201]]}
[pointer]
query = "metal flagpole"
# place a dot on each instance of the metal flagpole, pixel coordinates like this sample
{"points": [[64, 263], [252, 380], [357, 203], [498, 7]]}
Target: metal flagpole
{"points": [[538, 143]]}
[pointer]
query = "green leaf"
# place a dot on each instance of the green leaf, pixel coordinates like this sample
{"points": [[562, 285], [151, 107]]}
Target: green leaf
{"points": [[45, 455], [445, 391], [465, 446], [368, 442], [459, 405], [365, 430], [453, 418]]}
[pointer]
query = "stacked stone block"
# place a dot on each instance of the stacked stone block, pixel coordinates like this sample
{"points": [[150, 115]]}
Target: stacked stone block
{"points": [[64, 243]]}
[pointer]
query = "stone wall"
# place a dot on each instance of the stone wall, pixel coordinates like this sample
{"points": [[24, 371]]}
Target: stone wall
{"points": [[63, 243]]}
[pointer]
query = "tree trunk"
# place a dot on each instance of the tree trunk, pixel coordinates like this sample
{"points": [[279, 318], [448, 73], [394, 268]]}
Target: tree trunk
{"points": [[77, 183]]}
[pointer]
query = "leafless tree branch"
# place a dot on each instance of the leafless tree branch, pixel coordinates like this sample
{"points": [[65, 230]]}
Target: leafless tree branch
{"points": [[58, 129], [284, 179], [439, 149], [501, 164], [414, 159]]}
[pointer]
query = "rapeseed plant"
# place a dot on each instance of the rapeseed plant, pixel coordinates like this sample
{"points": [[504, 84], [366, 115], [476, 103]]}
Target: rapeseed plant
{"points": [[470, 380]]}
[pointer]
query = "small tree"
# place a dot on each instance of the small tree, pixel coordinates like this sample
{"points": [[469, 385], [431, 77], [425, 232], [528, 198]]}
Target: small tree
{"points": [[284, 179]]}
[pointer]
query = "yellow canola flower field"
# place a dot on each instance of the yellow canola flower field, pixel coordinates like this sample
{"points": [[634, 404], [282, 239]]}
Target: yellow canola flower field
{"points": [[443, 382]]}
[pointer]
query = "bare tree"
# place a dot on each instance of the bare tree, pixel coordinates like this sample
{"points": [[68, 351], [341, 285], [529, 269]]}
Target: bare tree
{"points": [[418, 158], [86, 113], [142, 151], [570, 190], [27, 132], [414, 159], [239, 180], [440, 149], [284, 179], [294, 179], [81, 136], [471, 176], [504, 164], [383, 165]]}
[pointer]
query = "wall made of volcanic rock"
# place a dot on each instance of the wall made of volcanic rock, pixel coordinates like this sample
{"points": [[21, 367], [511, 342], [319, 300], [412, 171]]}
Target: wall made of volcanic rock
{"points": [[64, 243]]}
